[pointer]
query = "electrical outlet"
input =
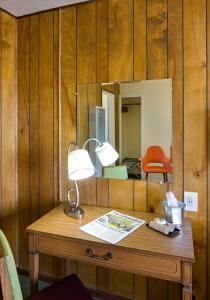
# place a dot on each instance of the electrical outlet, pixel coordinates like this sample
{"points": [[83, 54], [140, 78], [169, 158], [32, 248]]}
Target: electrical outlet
{"points": [[191, 201]]}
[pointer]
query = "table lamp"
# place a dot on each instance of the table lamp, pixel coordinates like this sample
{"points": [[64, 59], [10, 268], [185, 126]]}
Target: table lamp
{"points": [[80, 167]]}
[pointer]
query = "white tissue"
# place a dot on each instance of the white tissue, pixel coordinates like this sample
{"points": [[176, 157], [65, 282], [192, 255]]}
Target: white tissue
{"points": [[176, 215], [171, 199]]}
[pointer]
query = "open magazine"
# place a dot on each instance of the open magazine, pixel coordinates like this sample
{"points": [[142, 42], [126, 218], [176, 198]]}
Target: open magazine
{"points": [[112, 227]]}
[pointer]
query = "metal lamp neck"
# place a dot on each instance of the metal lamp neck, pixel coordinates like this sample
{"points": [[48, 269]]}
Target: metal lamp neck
{"points": [[92, 139]]}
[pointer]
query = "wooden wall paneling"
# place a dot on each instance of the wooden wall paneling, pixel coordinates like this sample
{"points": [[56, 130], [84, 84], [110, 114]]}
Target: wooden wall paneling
{"points": [[140, 45], [175, 71], [56, 66], [0, 114], [102, 40], [46, 125], [86, 42], [124, 41], [82, 114], [157, 289], [156, 39], [155, 196], [88, 96], [102, 192], [34, 117], [46, 94], [67, 130], [140, 287], [140, 204], [9, 131], [121, 196], [102, 198], [195, 161], [58, 263], [120, 40], [156, 69], [140, 195], [86, 73], [208, 148], [23, 139]]}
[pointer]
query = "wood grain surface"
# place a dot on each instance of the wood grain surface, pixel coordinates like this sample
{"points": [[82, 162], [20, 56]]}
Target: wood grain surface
{"points": [[9, 211], [88, 43]]}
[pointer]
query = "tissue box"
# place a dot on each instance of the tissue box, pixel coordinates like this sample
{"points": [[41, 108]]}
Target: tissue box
{"points": [[174, 215]]}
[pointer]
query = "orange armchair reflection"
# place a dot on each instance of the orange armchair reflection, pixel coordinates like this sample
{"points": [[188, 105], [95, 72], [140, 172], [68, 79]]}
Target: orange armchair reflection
{"points": [[156, 155]]}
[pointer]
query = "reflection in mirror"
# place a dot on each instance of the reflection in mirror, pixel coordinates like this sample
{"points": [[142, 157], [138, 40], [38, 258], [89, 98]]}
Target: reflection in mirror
{"points": [[136, 119]]}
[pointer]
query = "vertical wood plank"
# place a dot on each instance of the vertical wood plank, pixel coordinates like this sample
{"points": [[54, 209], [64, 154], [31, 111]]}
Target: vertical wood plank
{"points": [[156, 39], [87, 189], [175, 71], [208, 147], [155, 196], [102, 199], [23, 139], [140, 204], [140, 195], [86, 43], [46, 125], [1, 118], [34, 118], [121, 196], [58, 263], [46, 110], [140, 49], [9, 117], [195, 129], [140, 287], [157, 289], [120, 25], [102, 40], [86, 73], [87, 97], [56, 31], [102, 192], [67, 126]]}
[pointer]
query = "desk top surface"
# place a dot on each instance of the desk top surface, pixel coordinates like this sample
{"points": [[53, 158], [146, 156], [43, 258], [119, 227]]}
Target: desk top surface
{"points": [[57, 224]]}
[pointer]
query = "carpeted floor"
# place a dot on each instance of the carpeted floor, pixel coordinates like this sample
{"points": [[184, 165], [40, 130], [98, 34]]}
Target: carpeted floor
{"points": [[24, 281]]}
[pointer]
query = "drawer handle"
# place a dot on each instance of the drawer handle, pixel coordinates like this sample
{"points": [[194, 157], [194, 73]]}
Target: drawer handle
{"points": [[99, 257]]}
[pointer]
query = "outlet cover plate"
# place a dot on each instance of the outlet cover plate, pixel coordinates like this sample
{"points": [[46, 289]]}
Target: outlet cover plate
{"points": [[191, 201]]}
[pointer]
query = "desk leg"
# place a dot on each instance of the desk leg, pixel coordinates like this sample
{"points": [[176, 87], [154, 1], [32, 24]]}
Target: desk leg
{"points": [[186, 281], [33, 264]]}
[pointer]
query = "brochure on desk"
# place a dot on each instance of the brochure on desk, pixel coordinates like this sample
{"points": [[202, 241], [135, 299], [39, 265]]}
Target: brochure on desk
{"points": [[112, 227]]}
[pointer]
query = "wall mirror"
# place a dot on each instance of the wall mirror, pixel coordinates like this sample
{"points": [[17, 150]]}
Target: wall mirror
{"points": [[136, 119]]}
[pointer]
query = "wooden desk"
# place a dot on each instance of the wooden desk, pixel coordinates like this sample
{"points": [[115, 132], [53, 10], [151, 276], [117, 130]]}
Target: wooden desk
{"points": [[143, 252]]}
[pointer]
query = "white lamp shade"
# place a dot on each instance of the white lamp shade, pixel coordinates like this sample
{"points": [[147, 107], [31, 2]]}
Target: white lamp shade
{"points": [[106, 154], [79, 165]]}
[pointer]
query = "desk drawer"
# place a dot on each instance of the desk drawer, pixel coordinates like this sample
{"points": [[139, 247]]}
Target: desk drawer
{"points": [[112, 256]]}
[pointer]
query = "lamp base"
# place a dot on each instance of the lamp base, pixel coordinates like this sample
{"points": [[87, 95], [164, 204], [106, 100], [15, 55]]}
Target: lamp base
{"points": [[72, 212]]}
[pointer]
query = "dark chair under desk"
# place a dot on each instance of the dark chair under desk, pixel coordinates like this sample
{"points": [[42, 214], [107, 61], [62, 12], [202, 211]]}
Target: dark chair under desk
{"points": [[69, 288]]}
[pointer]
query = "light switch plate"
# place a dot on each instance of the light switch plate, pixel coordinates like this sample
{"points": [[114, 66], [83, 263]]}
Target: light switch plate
{"points": [[191, 201]]}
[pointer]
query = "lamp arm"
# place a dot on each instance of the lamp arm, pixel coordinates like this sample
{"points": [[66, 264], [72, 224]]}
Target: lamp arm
{"points": [[76, 203], [92, 139]]}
